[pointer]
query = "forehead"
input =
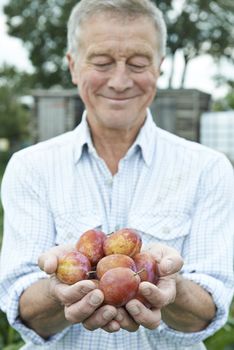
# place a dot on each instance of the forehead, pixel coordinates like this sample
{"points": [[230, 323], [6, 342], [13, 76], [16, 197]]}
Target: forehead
{"points": [[114, 34]]}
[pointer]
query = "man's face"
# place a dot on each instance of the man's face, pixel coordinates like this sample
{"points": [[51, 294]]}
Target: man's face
{"points": [[116, 70]]}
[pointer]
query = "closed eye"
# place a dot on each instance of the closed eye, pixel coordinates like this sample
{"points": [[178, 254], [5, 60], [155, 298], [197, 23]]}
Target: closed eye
{"points": [[103, 66], [137, 68]]}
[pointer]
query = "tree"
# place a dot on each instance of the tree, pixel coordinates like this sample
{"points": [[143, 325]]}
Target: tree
{"points": [[14, 116], [41, 25], [195, 27], [200, 27], [19, 82]]}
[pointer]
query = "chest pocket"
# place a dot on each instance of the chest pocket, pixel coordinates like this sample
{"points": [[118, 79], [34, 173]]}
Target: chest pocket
{"points": [[168, 227], [70, 226]]}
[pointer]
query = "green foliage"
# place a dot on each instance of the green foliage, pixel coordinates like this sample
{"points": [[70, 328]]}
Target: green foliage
{"points": [[14, 118], [20, 83], [224, 338], [4, 157], [224, 104], [9, 338], [200, 27], [42, 27]]}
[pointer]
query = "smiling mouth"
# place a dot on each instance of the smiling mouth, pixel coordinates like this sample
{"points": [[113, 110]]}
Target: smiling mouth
{"points": [[119, 99]]}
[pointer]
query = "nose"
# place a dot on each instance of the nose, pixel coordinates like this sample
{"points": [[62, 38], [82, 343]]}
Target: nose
{"points": [[120, 79]]}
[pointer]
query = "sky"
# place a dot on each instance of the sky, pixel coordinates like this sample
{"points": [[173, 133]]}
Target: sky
{"points": [[199, 75]]}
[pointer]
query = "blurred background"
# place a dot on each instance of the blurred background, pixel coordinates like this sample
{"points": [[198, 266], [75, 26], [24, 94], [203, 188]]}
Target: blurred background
{"points": [[195, 98]]}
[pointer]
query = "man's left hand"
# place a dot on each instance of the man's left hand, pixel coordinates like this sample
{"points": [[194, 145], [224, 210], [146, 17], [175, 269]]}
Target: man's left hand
{"points": [[158, 296]]}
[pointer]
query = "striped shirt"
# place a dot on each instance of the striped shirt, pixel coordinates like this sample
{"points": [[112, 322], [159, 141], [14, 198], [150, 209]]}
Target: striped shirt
{"points": [[174, 191]]}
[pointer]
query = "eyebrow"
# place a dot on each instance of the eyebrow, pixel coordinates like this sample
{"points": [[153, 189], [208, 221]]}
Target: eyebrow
{"points": [[132, 52], [96, 54]]}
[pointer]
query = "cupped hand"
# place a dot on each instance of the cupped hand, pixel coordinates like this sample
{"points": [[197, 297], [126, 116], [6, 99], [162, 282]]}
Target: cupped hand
{"points": [[169, 263], [82, 301]]}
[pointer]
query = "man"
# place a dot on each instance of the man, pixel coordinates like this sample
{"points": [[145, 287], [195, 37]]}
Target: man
{"points": [[117, 169]]}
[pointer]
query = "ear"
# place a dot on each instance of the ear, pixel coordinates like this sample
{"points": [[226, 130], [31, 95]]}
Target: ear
{"points": [[160, 65], [72, 68], [161, 62]]}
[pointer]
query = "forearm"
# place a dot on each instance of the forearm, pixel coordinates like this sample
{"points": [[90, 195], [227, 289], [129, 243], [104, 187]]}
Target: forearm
{"points": [[40, 311], [192, 310]]}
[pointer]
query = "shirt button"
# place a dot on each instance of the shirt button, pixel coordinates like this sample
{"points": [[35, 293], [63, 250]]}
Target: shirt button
{"points": [[166, 229], [109, 182]]}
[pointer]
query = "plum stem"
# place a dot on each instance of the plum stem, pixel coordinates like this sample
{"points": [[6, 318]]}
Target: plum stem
{"points": [[138, 272], [111, 233], [90, 272]]}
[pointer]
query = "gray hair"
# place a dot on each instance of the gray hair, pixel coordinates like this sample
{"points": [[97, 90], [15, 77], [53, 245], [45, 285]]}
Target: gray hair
{"points": [[123, 8]]}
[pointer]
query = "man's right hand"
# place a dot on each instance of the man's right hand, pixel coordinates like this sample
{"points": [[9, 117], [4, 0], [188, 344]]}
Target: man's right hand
{"points": [[81, 301]]}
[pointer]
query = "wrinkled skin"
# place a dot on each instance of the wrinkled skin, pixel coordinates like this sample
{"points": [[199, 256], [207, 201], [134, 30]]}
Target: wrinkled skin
{"points": [[82, 301]]}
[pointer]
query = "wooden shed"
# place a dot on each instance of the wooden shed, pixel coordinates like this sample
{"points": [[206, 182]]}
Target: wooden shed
{"points": [[178, 111], [55, 112]]}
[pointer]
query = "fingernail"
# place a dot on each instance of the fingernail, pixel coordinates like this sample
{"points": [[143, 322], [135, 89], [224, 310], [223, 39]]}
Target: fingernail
{"points": [[146, 291], [107, 315], [119, 317], [169, 265], [134, 310], [95, 299], [114, 326], [85, 290], [46, 266]]}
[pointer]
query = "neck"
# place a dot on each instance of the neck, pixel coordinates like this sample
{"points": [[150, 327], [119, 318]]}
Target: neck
{"points": [[112, 145]]}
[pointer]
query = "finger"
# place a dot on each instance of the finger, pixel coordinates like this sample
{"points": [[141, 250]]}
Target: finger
{"points": [[78, 312], [148, 318], [125, 321], [100, 318], [69, 294], [112, 327], [48, 261], [161, 295], [168, 259], [170, 265]]}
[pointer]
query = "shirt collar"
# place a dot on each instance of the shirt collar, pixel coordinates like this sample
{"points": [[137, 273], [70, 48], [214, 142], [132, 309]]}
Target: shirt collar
{"points": [[82, 138], [145, 140]]}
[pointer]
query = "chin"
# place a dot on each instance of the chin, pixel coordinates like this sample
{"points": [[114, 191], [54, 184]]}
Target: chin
{"points": [[118, 120]]}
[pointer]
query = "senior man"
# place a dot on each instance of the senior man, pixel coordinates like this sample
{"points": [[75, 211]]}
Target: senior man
{"points": [[118, 169]]}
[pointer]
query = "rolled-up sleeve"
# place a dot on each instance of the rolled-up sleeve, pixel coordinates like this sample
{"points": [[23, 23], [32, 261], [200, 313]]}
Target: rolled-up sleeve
{"points": [[28, 231], [208, 249]]}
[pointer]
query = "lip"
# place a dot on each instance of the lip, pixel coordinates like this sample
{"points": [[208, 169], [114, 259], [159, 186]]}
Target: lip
{"points": [[119, 99]]}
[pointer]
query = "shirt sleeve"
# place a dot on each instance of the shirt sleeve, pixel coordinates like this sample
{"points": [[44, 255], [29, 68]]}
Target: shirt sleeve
{"points": [[28, 231], [208, 249]]}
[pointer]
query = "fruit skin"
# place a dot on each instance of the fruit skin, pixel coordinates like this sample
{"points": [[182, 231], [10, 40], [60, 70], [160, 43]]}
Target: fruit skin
{"points": [[90, 244], [73, 267], [146, 264], [125, 241], [114, 260], [119, 285]]}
